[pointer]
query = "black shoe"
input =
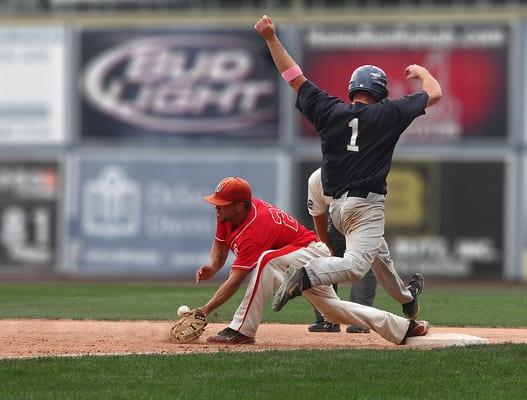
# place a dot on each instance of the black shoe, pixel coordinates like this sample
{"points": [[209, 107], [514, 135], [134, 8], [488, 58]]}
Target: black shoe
{"points": [[230, 336], [357, 329], [290, 288], [416, 328], [415, 286], [324, 326]]}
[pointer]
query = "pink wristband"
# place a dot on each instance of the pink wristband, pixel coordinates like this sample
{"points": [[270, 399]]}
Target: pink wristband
{"points": [[291, 73]]}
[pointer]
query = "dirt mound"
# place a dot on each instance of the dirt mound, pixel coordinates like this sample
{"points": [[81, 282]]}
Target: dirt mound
{"points": [[41, 338]]}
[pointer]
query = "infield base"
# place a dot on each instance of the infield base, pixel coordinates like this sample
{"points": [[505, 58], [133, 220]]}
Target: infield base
{"points": [[445, 340]]}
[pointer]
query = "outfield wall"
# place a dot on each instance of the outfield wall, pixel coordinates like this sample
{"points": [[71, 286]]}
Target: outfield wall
{"points": [[112, 131]]}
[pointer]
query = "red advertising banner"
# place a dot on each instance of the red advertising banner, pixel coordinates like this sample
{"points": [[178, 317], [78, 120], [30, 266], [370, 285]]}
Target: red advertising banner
{"points": [[470, 61]]}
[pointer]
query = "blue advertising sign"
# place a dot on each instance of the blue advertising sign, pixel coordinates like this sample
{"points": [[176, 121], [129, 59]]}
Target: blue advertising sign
{"points": [[158, 84], [147, 216]]}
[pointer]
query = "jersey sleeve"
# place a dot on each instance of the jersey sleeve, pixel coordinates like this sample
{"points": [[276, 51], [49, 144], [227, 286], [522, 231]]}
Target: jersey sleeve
{"points": [[221, 232], [410, 107], [317, 203], [315, 104], [247, 257]]}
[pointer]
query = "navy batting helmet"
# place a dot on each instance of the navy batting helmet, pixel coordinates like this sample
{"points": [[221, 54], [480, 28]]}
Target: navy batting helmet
{"points": [[371, 79]]}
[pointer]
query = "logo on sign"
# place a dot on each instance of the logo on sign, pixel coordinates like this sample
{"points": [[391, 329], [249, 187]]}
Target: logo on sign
{"points": [[26, 235], [112, 205], [183, 83]]}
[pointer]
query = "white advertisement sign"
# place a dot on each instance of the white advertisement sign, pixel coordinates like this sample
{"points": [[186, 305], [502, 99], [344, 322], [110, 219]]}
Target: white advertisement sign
{"points": [[32, 85]]}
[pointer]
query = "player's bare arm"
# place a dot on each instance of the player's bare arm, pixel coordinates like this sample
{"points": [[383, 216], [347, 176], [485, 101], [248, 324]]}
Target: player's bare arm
{"points": [[283, 61], [218, 256], [320, 223], [226, 290], [430, 85]]}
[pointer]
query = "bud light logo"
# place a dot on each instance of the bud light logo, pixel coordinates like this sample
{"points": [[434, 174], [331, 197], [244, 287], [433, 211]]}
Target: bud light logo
{"points": [[183, 83]]}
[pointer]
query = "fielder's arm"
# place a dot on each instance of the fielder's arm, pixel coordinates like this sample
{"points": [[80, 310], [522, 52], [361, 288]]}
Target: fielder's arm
{"points": [[282, 59], [226, 290], [429, 84], [320, 223]]}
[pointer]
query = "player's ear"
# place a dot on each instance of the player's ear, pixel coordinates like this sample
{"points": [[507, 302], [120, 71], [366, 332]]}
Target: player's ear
{"points": [[243, 205]]}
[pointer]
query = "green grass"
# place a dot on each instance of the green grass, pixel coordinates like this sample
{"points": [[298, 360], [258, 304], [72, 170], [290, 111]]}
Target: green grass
{"points": [[442, 305], [473, 372]]}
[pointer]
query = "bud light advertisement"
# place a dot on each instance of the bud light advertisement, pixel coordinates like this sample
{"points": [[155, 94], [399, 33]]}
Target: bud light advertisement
{"points": [[164, 84]]}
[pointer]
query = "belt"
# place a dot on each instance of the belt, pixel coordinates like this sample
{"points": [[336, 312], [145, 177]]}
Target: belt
{"points": [[358, 193], [354, 193]]}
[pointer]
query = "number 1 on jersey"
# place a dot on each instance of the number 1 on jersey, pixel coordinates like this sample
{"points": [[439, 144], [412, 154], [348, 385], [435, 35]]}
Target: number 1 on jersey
{"points": [[354, 125]]}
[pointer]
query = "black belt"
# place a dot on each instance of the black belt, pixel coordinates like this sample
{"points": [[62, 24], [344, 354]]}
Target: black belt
{"points": [[358, 193], [363, 194]]}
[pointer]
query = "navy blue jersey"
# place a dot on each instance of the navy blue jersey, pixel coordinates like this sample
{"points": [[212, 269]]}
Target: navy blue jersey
{"points": [[358, 139]]}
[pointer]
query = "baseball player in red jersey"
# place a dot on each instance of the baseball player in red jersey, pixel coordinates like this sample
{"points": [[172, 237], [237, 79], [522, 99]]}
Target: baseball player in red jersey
{"points": [[266, 240]]}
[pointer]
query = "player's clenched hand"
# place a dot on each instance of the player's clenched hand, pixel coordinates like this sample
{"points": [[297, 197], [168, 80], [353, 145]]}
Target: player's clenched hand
{"points": [[415, 71], [265, 27], [204, 273]]}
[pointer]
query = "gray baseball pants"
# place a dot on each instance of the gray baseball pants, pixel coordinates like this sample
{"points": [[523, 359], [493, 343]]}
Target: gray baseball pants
{"points": [[362, 222]]}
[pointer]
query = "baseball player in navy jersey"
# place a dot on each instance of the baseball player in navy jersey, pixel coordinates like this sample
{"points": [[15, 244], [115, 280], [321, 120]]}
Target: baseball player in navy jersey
{"points": [[357, 143], [266, 240]]}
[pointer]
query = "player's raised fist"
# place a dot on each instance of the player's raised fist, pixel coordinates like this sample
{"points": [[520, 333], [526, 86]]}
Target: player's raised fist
{"points": [[414, 71], [265, 27]]}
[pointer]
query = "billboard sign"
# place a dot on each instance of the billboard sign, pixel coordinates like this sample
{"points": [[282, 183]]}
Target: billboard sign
{"points": [[156, 84], [470, 61], [147, 216], [442, 217], [29, 191], [523, 272], [32, 82]]}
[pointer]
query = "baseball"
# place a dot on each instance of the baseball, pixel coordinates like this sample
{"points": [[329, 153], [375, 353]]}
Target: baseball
{"points": [[183, 310]]}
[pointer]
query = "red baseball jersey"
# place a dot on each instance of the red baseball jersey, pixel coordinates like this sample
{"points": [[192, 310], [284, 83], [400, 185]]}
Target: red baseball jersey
{"points": [[265, 228]]}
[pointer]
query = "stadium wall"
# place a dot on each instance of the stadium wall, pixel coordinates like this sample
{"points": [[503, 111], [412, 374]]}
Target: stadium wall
{"points": [[114, 126]]}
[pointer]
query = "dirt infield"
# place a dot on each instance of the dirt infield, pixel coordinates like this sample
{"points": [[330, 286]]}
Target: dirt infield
{"points": [[41, 338]]}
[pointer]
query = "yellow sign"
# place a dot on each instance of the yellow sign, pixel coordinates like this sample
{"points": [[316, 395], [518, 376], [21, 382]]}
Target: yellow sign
{"points": [[411, 204]]}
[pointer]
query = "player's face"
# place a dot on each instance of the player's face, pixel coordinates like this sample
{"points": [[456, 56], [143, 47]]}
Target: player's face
{"points": [[229, 212]]}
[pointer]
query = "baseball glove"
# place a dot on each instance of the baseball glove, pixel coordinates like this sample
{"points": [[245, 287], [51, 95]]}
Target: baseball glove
{"points": [[189, 327]]}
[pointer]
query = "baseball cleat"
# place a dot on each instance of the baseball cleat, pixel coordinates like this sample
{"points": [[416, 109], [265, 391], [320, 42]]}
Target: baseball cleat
{"points": [[417, 328], [357, 329], [324, 326], [291, 287], [230, 336], [415, 286]]}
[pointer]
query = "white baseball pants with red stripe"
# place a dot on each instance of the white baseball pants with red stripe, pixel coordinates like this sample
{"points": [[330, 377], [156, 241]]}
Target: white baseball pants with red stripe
{"points": [[269, 275]]}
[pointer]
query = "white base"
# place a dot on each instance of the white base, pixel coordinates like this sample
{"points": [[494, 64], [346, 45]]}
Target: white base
{"points": [[445, 340]]}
